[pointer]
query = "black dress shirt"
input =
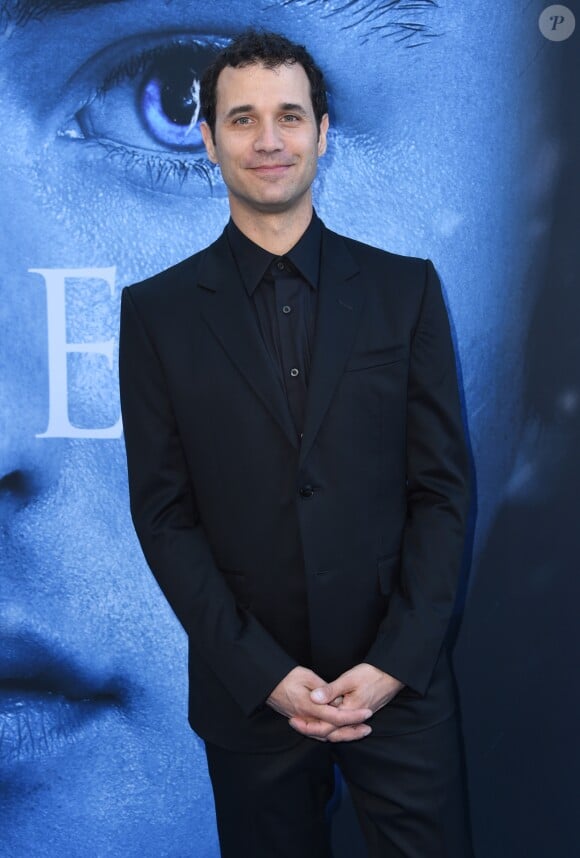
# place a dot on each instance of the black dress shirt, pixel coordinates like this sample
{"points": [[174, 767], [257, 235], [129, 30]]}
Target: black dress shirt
{"points": [[284, 292]]}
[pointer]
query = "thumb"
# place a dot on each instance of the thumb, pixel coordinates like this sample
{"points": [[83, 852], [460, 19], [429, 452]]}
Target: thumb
{"points": [[326, 693]]}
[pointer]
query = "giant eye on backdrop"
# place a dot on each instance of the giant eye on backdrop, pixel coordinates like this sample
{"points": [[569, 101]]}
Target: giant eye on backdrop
{"points": [[142, 108]]}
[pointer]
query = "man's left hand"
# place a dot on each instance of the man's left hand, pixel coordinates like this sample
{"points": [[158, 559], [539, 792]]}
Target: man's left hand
{"points": [[361, 687]]}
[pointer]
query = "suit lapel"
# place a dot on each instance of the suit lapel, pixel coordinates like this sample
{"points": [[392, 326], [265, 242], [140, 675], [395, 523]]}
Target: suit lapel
{"points": [[337, 318], [228, 311]]}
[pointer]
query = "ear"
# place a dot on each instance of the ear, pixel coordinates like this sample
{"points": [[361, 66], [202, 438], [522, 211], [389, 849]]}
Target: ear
{"points": [[322, 134], [208, 142]]}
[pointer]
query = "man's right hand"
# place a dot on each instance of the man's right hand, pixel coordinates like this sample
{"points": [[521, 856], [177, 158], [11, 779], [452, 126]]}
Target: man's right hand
{"points": [[291, 698]]}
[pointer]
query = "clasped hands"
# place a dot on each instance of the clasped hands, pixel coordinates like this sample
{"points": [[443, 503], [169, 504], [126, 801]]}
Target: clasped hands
{"points": [[333, 711]]}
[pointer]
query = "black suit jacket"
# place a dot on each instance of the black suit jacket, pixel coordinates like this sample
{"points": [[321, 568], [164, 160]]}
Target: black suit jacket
{"points": [[331, 550]]}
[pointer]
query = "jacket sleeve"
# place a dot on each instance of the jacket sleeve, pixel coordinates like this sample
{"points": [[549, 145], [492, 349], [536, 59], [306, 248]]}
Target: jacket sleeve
{"points": [[242, 654], [411, 634]]}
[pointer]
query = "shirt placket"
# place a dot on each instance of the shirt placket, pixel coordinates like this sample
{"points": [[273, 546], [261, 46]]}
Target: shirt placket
{"points": [[292, 338]]}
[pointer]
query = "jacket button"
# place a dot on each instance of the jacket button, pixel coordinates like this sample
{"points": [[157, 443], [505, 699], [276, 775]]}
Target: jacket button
{"points": [[306, 492]]}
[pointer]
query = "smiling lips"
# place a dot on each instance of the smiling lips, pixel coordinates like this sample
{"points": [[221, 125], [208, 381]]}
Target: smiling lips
{"points": [[270, 169], [47, 700]]}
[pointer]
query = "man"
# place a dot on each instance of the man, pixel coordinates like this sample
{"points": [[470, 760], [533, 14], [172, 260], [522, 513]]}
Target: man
{"points": [[298, 484]]}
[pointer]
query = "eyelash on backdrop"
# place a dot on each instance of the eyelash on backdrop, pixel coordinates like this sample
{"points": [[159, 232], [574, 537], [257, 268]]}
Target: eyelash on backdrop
{"points": [[406, 22]]}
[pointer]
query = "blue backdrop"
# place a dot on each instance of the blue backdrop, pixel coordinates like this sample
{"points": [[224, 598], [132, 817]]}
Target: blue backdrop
{"points": [[454, 136]]}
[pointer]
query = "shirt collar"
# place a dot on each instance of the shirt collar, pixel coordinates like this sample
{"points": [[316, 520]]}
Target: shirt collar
{"points": [[253, 261]]}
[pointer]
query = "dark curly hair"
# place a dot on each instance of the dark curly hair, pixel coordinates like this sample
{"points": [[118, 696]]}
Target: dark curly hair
{"points": [[264, 48]]}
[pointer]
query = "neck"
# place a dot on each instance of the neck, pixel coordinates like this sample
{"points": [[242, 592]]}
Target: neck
{"points": [[276, 232]]}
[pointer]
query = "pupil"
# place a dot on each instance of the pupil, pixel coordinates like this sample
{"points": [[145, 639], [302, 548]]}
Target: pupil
{"points": [[168, 100], [178, 97]]}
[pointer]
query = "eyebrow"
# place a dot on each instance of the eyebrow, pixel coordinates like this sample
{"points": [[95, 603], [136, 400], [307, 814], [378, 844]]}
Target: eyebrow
{"points": [[239, 108], [291, 107]]}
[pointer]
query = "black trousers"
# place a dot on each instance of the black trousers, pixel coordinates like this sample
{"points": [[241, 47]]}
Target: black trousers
{"points": [[407, 790]]}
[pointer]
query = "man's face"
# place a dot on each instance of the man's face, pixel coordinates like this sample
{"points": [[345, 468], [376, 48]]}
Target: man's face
{"points": [[267, 141], [103, 170]]}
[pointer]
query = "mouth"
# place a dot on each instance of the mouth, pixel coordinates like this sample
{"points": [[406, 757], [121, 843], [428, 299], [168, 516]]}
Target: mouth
{"points": [[271, 169], [48, 699]]}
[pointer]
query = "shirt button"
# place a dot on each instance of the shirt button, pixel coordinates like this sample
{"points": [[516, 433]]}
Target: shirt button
{"points": [[306, 491], [294, 372], [286, 309], [280, 266]]}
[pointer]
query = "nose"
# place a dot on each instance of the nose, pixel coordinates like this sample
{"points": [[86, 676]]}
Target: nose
{"points": [[26, 476], [29, 466], [15, 488], [268, 138]]}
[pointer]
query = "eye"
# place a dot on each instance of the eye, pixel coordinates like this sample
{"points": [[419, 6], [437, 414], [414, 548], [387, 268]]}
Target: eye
{"points": [[144, 110]]}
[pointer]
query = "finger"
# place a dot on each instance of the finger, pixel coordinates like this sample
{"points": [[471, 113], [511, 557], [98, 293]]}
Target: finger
{"points": [[334, 715], [340, 716], [302, 730], [349, 734], [328, 693], [352, 702], [314, 728], [338, 701]]}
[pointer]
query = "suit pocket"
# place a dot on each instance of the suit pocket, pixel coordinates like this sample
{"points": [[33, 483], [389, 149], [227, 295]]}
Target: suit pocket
{"points": [[375, 358], [388, 571]]}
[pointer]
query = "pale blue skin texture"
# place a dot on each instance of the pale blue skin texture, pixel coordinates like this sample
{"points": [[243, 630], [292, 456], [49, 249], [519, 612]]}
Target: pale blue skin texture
{"points": [[426, 157]]}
